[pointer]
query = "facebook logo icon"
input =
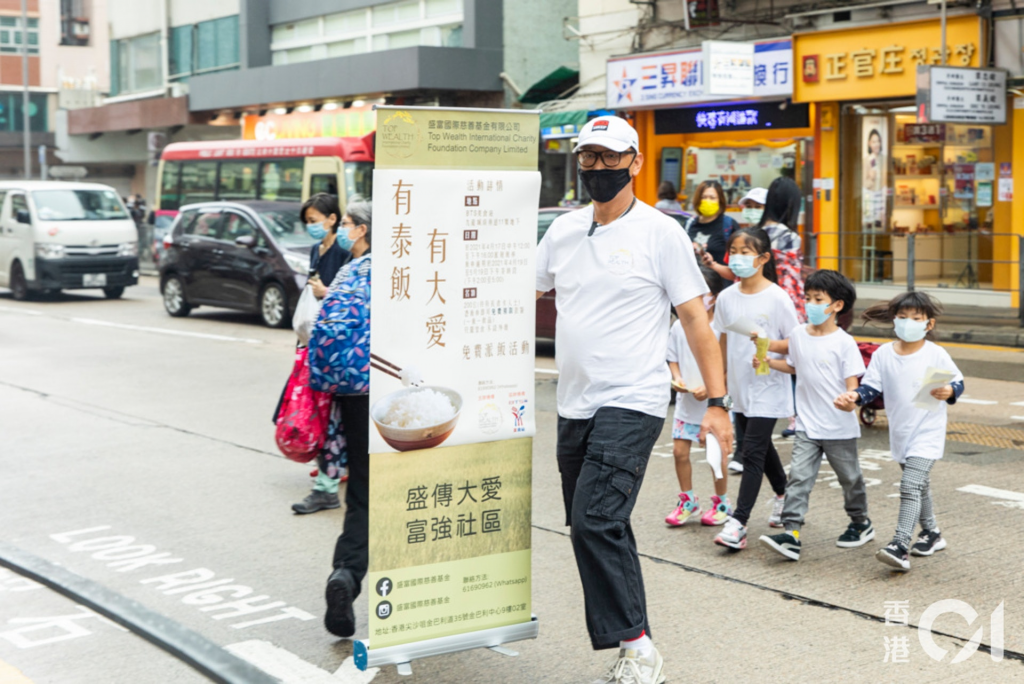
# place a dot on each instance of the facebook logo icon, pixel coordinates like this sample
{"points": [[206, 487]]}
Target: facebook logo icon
{"points": [[384, 586]]}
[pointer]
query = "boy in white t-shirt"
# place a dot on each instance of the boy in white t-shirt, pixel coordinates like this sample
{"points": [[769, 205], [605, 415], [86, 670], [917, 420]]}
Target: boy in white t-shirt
{"points": [[903, 370], [827, 363]]}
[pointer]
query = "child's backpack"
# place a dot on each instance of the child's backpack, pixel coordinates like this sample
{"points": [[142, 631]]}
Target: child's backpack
{"points": [[339, 348]]}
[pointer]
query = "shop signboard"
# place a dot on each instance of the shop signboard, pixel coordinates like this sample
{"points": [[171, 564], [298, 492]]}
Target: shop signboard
{"points": [[455, 222], [327, 123], [678, 77], [872, 62], [960, 95], [745, 117], [729, 67]]}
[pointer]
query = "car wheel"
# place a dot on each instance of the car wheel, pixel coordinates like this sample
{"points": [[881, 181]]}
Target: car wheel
{"points": [[174, 297], [274, 306], [19, 286], [113, 292]]}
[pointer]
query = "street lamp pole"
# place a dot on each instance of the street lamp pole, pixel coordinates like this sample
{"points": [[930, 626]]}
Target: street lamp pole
{"points": [[26, 124]]}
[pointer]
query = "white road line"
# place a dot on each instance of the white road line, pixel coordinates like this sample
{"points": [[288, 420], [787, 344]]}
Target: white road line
{"points": [[546, 371], [27, 312], [1017, 403], [979, 402], [291, 669], [1017, 417], [982, 490], [164, 331]]}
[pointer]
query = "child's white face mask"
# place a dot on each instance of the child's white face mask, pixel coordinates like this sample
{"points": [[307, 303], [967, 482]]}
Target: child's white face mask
{"points": [[709, 302]]}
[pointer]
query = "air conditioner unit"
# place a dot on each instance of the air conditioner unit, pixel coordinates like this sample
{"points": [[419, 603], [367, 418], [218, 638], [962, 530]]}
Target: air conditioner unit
{"points": [[179, 89]]}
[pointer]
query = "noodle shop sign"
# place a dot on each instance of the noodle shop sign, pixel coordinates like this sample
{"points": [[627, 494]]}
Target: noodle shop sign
{"points": [[334, 123]]}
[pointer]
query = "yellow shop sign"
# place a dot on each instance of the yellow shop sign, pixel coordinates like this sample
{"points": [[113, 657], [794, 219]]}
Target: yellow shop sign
{"points": [[879, 61]]}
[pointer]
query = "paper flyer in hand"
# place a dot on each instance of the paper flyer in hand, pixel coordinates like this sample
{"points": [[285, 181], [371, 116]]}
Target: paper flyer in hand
{"points": [[744, 326], [933, 379]]}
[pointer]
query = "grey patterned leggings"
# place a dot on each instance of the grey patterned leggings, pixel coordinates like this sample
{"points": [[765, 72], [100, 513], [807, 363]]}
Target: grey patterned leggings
{"points": [[915, 499]]}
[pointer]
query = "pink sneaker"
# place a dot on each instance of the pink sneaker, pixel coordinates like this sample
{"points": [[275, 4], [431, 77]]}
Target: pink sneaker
{"points": [[686, 509], [717, 514]]}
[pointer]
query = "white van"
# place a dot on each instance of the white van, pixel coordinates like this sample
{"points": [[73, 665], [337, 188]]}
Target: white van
{"points": [[65, 236]]}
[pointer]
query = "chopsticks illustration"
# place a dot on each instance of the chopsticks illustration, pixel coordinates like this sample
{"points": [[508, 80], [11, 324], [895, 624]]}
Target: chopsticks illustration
{"points": [[385, 366]]}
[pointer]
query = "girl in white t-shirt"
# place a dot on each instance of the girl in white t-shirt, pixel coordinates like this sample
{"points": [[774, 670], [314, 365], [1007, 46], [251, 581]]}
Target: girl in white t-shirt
{"points": [[691, 403], [917, 419], [758, 400]]}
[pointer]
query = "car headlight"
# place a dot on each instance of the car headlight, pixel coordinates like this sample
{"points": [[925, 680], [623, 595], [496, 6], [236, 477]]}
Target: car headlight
{"points": [[297, 263], [128, 249], [46, 250]]}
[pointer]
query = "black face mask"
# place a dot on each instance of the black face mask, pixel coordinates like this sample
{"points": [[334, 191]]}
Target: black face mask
{"points": [[604, 184]]}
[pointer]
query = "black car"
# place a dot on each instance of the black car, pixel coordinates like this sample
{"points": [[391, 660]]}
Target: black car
{"points": [[249, 255]]}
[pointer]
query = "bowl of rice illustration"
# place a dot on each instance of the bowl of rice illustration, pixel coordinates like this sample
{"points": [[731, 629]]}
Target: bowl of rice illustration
{"points": [[417, 417]]}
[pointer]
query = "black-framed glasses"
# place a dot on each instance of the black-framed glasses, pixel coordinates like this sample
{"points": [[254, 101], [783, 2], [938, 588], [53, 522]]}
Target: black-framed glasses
{"points": [[610, 158]]}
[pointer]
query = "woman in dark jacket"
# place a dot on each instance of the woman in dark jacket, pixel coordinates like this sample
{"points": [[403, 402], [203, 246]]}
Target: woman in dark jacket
{"points": [[710, 229], [323, 216]]}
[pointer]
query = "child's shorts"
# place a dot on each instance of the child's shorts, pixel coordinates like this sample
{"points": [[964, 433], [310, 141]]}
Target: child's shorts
{"points": [[688, 431]]}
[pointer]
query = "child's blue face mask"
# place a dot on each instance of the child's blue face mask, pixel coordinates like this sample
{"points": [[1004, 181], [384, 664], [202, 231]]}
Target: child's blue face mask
{"points": [[817, 313], [910, 330], [742, 265]]}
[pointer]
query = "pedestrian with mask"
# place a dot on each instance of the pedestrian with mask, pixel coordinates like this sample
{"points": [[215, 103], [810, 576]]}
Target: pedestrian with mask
{"points": [[779, 219], [752, 206], [710, 229], [322, 216], [618, 267]]}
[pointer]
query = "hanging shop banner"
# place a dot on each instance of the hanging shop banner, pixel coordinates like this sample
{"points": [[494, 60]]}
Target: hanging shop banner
{"points": [[874, 165], [455, 228], [872, 62], [958, 95], [678, 77]]}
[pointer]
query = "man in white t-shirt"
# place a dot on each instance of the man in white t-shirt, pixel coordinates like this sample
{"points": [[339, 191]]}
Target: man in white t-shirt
{"points": [[617, 267]]}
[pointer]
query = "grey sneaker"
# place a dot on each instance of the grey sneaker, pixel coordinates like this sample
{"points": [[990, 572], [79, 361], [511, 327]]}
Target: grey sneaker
{"points": [[317, 501], [630, 668]]}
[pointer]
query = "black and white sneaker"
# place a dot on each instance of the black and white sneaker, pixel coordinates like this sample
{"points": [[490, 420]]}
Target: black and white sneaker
{"points": [[894, 556], [857, 534], [928, 542], [786, 543]]}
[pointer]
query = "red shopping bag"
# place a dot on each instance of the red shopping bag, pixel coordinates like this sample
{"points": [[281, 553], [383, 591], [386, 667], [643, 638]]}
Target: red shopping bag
{"points": [[302, 420]]}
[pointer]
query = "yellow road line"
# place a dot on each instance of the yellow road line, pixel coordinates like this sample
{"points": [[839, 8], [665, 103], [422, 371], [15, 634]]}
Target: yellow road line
{"points": [[12, 675], [958, 345]]}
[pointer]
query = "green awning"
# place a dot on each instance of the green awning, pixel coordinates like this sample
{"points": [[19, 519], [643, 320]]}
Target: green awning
{"points": [[573, 117], [552, 86]]}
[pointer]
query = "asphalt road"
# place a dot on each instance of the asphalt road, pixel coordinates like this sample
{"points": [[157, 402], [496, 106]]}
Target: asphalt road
{"points": [[136, 449]]}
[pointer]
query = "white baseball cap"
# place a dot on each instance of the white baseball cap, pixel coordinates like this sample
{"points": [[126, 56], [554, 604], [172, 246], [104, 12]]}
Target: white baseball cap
{"points": [[609, 131], [759, 195]]}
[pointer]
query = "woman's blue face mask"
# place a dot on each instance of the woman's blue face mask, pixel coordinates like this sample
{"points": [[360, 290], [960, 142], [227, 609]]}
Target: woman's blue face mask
{"points": [[316, 230]]}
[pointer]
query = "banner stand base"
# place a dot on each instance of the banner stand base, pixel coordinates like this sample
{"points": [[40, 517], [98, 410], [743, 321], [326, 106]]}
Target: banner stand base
{"points": [[402, 655]]}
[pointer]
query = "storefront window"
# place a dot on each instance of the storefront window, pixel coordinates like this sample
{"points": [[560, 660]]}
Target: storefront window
{"points": [[935, 181], [739, 169]]}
